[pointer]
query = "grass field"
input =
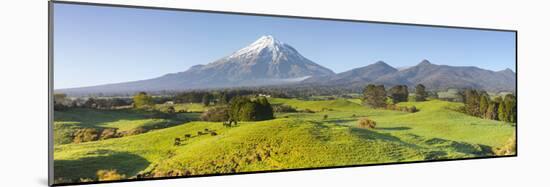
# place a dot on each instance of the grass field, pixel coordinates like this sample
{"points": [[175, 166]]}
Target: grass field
{"points": [[292, 140], [124, 120], [189, 107]]}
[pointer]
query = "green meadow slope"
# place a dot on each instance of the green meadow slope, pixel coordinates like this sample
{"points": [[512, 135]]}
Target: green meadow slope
{"points": [[292, 140]]}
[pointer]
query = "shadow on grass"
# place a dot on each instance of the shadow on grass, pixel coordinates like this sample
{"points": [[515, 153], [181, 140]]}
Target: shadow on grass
{"points": [[338, 121], [438, 148], [393, 128], [96, 118], [86, 168], [372, 135]]}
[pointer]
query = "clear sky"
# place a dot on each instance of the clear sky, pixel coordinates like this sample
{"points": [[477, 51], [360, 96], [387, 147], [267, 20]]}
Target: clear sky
{"points": [[98, 45]]}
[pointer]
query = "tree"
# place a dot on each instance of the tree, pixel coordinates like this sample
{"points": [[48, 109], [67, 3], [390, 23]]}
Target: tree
{"points": [[483, 104], [374, 96], [250, 109], [222, 100], [142, 100], [60, 101], [170, 110], [399, 93], [206, 99], [264, 108], [420, 93], [501, 111], [510, 108], [492, 110], [471, 102]]}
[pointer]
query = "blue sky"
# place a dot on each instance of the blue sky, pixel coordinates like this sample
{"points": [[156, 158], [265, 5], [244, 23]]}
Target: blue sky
{"points": [[98, 45]]}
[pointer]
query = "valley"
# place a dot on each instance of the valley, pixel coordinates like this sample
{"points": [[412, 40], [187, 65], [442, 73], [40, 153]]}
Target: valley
{"points": [[291, 140]]}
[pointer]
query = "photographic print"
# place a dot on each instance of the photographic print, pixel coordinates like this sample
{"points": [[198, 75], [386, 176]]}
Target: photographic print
{"points": [[148, 93]]}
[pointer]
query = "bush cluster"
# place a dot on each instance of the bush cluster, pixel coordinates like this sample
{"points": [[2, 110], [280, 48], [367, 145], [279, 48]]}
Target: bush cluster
{"points": [[366, 123], [86, 135], [283, 108], [509, 148], [217, 114], [411, 109], [109, 175]]}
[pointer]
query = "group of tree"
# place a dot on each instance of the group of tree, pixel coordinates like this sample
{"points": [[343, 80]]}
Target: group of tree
{"points": [[105, 103], [399, 93], [241, 108], [376, 96], [479, 103], [221, 97], [62, 101], [250, 109]]}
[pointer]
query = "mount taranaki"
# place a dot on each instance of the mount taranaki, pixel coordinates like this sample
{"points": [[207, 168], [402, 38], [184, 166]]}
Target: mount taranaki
{"points": [[268, 61]]}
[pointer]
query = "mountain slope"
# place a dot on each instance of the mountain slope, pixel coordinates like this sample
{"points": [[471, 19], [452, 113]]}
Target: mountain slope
{"points": [[363, 74], [443, 77], [266, 61], [431, 75]]}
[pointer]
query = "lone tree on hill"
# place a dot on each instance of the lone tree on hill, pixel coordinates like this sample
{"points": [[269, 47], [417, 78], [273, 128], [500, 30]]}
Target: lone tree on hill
{"points": [[374, 96], [420, 93]]}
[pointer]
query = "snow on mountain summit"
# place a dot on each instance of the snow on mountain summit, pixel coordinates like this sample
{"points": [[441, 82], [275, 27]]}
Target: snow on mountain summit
{"points": [[266, 41], [265, 44], [266, 57]]}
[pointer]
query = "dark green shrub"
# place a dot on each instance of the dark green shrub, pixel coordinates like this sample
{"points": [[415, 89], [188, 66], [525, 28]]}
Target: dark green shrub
{"points": [[250, 109], [170, 110], [283, 108], [413, 109]]}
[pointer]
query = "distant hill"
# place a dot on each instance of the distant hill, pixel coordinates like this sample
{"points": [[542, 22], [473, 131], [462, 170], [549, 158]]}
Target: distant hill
{"points": [[431, 75]]}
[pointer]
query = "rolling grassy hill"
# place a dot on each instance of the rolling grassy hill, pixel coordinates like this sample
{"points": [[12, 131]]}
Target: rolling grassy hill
{"points": [[292, 140], [65, 122]]}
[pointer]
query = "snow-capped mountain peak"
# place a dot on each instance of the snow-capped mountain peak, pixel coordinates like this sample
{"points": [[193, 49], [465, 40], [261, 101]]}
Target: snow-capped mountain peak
{"points": [[265, 42], [266, 61]]}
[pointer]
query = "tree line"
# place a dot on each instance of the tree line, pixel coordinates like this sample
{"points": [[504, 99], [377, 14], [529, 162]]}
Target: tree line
{"points": [[376, 96], [479, 103]]}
